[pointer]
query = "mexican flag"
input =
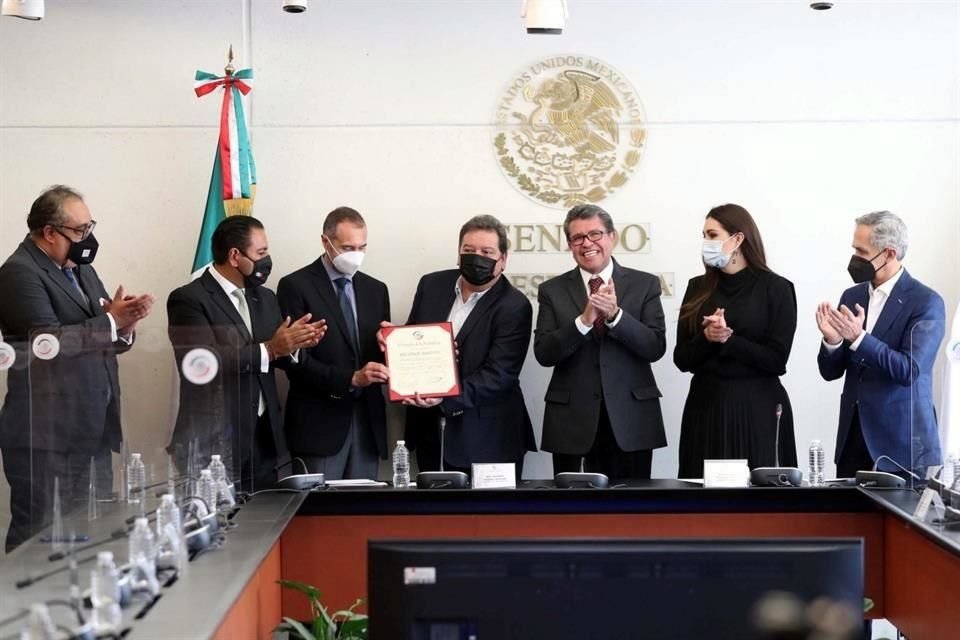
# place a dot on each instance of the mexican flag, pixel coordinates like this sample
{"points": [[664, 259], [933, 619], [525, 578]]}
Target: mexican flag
{"points": [[234, 177]]}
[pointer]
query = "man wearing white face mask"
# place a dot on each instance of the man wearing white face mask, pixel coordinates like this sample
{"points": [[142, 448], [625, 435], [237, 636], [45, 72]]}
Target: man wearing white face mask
{"points": [[335, 417]]}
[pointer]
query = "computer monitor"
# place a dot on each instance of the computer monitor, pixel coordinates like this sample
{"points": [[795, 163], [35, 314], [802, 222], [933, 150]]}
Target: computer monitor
{"points": [[597, 588]]}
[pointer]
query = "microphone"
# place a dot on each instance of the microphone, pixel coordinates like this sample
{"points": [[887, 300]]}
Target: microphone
{"points": [[882, 479], [776, 476], [289, 462], [116, 534], [776, 441], [26, 582], [442, 479]]}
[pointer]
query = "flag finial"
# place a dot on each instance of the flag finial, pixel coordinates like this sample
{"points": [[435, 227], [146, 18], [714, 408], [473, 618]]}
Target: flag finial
{"points": [[229, 68]]}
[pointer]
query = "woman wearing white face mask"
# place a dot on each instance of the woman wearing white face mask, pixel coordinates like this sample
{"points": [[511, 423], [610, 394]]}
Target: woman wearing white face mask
{"points": [[734, 334]]}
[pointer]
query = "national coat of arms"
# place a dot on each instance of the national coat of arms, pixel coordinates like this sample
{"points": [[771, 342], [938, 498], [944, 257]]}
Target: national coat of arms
{"points": [[570, 129]]}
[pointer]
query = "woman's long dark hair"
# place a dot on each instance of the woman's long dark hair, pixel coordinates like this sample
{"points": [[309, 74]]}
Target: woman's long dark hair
{"points": [[734, 219]]}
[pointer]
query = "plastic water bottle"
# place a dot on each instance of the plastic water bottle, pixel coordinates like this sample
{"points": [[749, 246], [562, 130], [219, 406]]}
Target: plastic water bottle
{"points": [[207, 490], [217, 469], [949, 474], [136, 478], [816, 464], [105, 593], [170, 539], [219, 473], [401, 466], [167, 513], [142, 541], [955, 494]]}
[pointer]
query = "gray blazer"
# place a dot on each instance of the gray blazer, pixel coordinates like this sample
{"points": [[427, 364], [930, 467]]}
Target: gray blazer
{"points": [[587, 368], [75, 396]]}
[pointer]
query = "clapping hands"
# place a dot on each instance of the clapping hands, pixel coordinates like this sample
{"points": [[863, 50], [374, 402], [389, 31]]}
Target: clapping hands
{"points": [[715, 327]]}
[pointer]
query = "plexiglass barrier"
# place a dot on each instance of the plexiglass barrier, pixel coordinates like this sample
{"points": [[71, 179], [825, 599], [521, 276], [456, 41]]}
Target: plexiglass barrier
{"points": [[117, 421], [917, 372]]}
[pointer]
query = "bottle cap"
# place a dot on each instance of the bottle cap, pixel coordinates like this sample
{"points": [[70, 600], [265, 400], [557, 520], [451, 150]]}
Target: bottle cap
{"points": [[167, 498], [205, 473], [140, 522], [400, 442], [135, 456], [105, 556], [215, 457]]}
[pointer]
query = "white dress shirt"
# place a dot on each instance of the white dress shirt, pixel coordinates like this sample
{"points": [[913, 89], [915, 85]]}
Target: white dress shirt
{"points": [[228, 288], [606, 274], [878, 298], [461, 308]]}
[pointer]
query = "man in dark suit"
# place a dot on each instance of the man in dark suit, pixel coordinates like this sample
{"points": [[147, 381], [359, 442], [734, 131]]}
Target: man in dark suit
{"points": [[884, 339], [228, 311], [488, 421], [335, 415], [60, 411], [600, 326]]}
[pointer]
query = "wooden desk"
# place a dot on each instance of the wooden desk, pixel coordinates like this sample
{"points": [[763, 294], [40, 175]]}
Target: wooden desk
{"points": [[910, 571]]}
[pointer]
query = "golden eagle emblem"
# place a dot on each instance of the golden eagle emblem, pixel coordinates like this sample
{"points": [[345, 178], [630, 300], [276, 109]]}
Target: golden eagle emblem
{"points": [[560, 131]]}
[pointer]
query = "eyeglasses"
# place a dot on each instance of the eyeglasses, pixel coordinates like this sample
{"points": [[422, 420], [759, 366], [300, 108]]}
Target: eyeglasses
{"points": [[593, 236], [84, 231]]}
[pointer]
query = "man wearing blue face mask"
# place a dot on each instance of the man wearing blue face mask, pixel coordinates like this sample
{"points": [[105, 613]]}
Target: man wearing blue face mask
{"points": [[884, 339], [335, 418]]}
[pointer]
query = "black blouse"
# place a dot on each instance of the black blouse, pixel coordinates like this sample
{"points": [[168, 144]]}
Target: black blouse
{"points": [[761, 308]]}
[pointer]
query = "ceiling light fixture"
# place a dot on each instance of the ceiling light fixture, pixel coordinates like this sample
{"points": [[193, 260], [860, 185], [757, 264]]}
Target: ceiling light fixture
{"points": [[26, 9], [545, 16]]}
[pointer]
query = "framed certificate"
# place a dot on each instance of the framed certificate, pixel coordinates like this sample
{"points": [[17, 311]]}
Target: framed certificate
{"points": [[421, 359]]}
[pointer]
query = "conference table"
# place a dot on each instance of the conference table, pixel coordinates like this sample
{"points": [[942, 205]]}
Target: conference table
{"points": [[912, 568]]}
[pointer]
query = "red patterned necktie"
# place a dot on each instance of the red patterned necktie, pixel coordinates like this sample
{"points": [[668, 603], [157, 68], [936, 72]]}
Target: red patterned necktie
{"points": [[595, 284]]}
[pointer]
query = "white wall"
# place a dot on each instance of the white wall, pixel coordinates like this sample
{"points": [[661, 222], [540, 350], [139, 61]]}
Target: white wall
{"points": [[806, 118]]}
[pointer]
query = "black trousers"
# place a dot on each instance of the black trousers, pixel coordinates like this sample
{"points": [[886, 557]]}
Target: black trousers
{"points": [[606, 456], [854, 456], [31, 475], [258, 463]]}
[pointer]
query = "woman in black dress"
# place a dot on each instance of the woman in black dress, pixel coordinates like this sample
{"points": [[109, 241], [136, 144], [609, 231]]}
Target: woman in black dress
{"points": [[734, 334]]}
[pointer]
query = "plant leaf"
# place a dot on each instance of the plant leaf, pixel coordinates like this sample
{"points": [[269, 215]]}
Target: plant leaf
{"points": [[307, 589], [354, 629], [299, 628]]}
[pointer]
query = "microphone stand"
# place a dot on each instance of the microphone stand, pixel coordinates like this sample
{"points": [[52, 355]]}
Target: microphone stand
{"points": [[776, 475], [442, 479]]}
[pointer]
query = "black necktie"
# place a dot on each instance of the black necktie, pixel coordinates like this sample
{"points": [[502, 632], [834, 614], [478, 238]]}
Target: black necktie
{"points": [[72, 277], [347, 309]]}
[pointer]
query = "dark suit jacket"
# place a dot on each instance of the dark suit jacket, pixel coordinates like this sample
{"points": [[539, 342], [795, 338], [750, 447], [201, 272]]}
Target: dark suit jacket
{"points": [[488, 421], [76, 396], [588, 369], [889, 376], [320, 403], [200, 314]]}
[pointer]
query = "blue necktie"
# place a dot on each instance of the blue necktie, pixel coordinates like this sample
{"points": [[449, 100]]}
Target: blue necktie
{"points": [[72, 277], [343, 297]]}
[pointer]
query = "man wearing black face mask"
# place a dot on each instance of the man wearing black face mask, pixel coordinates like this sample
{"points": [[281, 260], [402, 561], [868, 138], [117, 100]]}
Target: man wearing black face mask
{"points": [[230, 312], [884, 338], [488, 422], [65, 409]]}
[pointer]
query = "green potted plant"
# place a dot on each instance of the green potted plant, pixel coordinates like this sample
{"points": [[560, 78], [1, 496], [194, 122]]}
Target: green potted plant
{"points": [[346, 624]]}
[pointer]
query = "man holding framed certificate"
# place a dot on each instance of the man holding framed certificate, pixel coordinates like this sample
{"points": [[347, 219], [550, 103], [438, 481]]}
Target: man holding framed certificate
{"points": [[491, 321]]}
